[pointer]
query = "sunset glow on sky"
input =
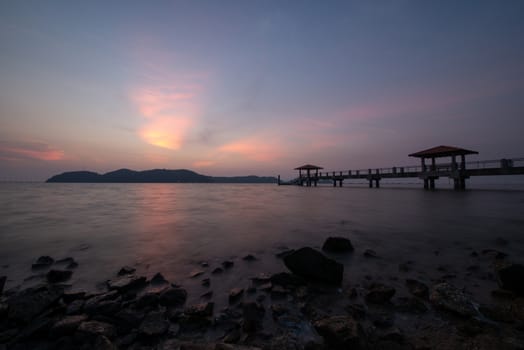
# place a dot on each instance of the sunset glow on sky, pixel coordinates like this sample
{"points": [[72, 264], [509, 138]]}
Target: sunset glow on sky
{"points": [[255, 87]]}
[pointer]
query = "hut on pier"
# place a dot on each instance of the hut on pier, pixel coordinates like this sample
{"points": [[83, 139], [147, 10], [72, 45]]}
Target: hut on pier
{"points": [[430, 173], [308, 178]]}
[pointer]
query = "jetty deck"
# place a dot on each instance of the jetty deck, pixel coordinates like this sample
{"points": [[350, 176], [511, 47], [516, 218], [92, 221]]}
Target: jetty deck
{"points": [[458, 172]]}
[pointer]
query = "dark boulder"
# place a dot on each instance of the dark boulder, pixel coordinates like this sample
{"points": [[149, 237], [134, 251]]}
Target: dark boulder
{"points": [[57, 276], [93, 329], [200, 310], [228, 264], [126, 283], [313, 265], [511, 278], [340, 332], [158, 278], [126, 270], [24, 306], [449, 298], [153, 325], [370, 253], [66, 325], [235, 294], [173, 296], [252, 316], [337, 245], [43, 262]]}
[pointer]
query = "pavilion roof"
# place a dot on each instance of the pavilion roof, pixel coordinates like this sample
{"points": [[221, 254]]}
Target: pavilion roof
{"points": [[309, 167], [442, 151]]}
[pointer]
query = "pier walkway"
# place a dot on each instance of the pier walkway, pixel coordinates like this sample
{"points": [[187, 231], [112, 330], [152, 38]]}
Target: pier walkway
{"points": [[459, 172]]}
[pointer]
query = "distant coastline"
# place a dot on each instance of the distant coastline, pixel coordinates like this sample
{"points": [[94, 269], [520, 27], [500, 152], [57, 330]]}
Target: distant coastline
{"points": [[154, 176]]}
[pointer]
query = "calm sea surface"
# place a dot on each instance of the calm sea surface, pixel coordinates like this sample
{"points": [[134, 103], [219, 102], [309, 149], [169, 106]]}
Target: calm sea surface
{"points": [[171, 228]]}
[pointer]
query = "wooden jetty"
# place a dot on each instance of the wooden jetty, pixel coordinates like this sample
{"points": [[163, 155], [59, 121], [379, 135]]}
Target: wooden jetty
{"points": [[457, 169]]}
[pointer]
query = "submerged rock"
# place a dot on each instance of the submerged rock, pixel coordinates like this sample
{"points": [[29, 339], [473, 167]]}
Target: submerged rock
{"points": [[56, 276], [337, 245], [340, 332], [249, 257], [450, 298], [369, 253], [158, 278], [511, 278], [235, 294], [417, 288], [228, 264], [126, 270], [311, 264], [379, 293]]}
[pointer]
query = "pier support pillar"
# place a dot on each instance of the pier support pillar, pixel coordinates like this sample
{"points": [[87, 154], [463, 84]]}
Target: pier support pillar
{"points": [[334, 183], [377, 183], [279, 180], [432, 184], [426, 184], [370, 183], [340, 183]]}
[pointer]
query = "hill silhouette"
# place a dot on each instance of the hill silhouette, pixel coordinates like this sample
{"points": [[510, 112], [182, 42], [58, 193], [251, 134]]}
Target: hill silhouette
{"points": [[154, 176]]}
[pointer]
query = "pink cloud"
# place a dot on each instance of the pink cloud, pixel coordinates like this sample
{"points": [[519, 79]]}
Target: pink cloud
{"points": [[255, 148], [12, 151]]}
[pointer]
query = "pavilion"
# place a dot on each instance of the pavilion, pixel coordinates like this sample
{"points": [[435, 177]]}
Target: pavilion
{"points": [[308, 179], [430, 174]]}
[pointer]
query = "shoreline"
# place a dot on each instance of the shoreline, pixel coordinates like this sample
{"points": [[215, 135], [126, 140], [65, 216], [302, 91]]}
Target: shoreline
{"points": [[291, 309]]}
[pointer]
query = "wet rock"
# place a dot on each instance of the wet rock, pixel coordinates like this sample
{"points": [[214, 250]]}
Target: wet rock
{"points": [[261, 279], [38, 327], [249, 257], [494, 254], [252, 315], [235, 294], [103, 343], [173, 296], [382, 320], [222, 346], [410, 305], [311, 264], [158, 278], [69, 262], [43, 262], [57, 276], [200, 310], [72, 295], [207, 295], [251, 290], [97, 328], [3, 279], [369, 253], [25, 305], [196, 273], [153, 325], [379, 293], [217, 270], [405, 266], [337, 245], [206, 282], [266, 287], [278, 292], [501, 241], [511, 278], [7, 335], [417, 288], [129, 318], [106, 307], [340, 332], [284, 253], [92, 305], [448, 297], [228, 264], [287, 280], [502, 294], [126, 270], [75, 307], [126, 283], [66, 325], [499, 313], [278, 310]]}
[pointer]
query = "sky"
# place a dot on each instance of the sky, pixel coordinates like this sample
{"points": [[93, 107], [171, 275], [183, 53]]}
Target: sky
{"points": [[255, 87]]}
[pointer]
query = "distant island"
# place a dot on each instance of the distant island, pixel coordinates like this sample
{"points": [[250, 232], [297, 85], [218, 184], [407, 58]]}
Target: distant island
{"points": [[155, 176]]}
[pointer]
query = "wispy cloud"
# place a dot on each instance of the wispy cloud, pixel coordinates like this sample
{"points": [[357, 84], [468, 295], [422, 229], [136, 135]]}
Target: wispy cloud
{"points": [[21, 150]]}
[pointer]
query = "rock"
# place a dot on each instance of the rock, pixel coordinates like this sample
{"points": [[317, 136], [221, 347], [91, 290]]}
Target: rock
{"points": [[43, 262], [158, 278], [3, 279], [494, 254], [204, 264], [72, 295], [252, 315], [501, 241], [311, 264], [410, 305], [222, 346], [57, 276], [66, 325], [417, 288], [337, 245], [200, 310], [278, 310], [106, 307], [379, 293], [173, 296], [217, 271], [278, 292], [126, 270], [92, 305], [207, 295], [511, 278], [266, 287], [206, 282], [103, 343], [448, 297], [196, 273], [97, 328], [405, 266], [25, 305], [287, 280], [251, 290], [126, 283], [358, 311], [340, 332], [369, 253], [249, 257], [75, 307], [153, 325], [284, 253], [129, 318], [261, 279], [228, 264], [235, 294]]}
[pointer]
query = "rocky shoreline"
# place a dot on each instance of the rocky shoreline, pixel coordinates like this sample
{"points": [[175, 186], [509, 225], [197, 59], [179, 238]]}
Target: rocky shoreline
{"points": [[306, 306]]}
